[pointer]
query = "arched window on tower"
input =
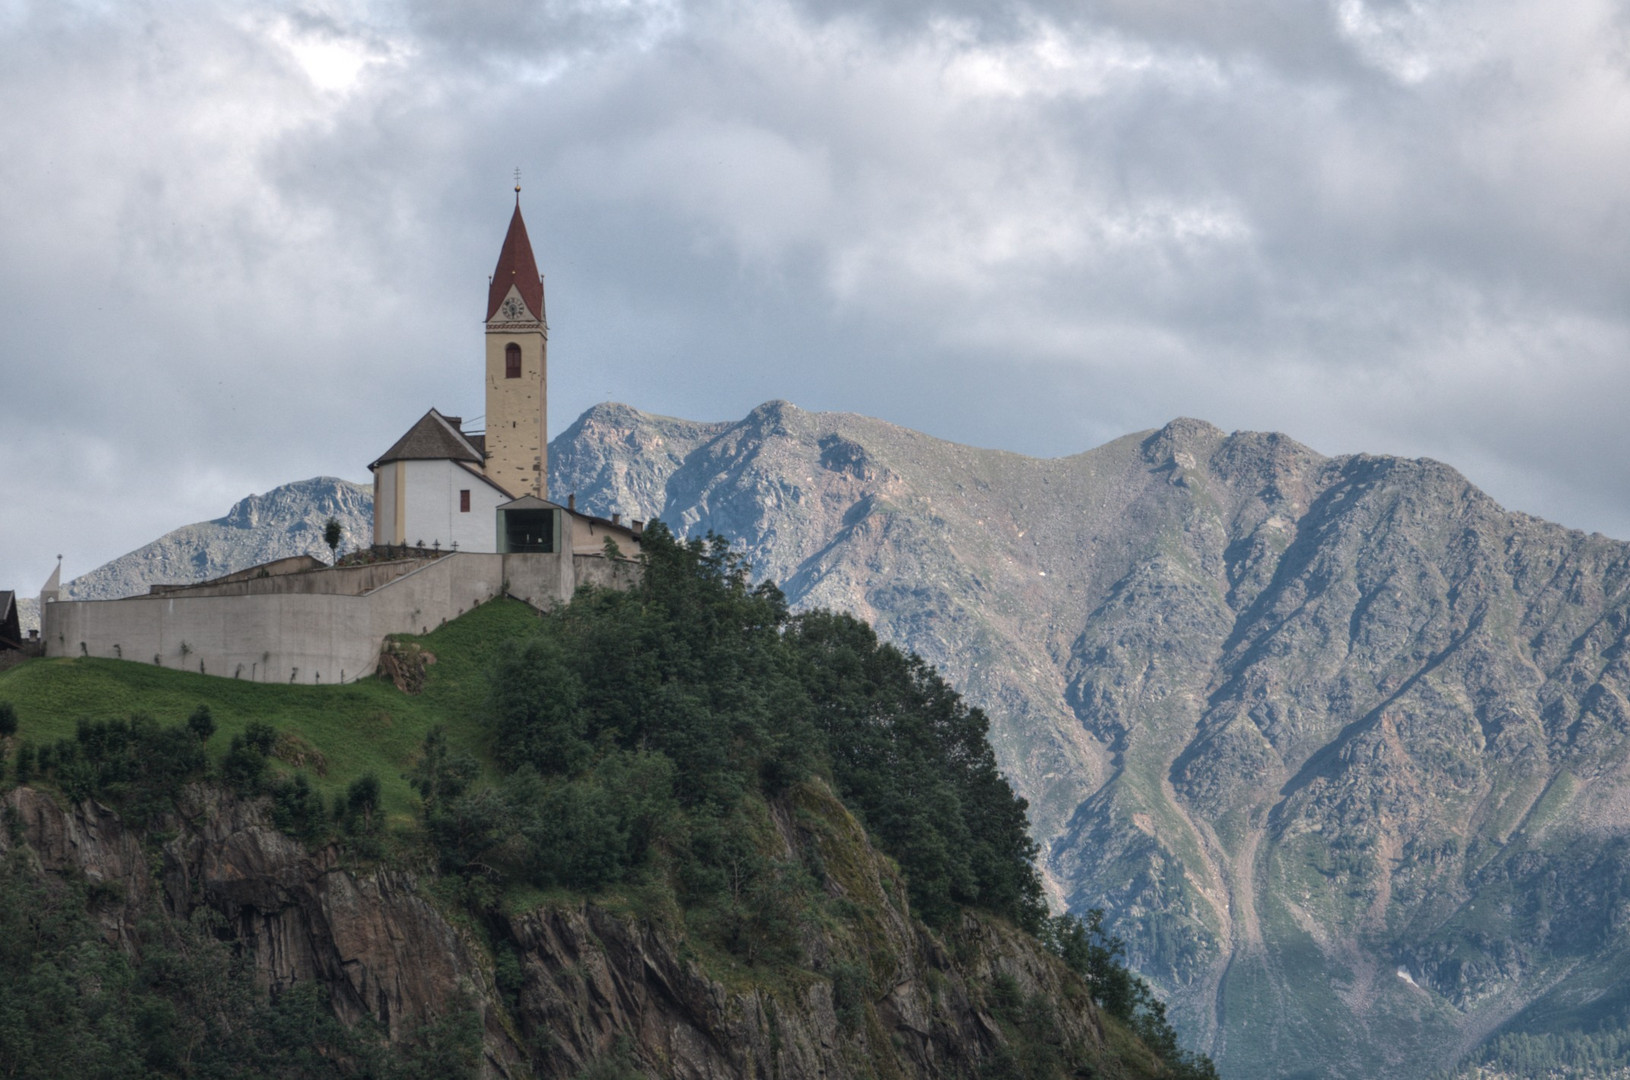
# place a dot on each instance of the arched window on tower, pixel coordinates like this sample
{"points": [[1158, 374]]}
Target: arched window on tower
{"points": [[512, 361]]}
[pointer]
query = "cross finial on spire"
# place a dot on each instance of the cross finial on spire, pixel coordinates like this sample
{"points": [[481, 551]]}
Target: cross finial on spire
{"points": [[517, 185]]}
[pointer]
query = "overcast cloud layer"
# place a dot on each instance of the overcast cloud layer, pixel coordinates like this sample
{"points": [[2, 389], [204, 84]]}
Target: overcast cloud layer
{"points": [[243, 245]]}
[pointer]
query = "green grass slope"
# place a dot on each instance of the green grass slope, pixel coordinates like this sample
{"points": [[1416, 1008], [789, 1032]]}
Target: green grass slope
{"points": [[332, 733]]}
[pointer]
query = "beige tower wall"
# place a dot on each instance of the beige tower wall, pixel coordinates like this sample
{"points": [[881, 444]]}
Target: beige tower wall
{"points": [[388, 508], [518, 409]]}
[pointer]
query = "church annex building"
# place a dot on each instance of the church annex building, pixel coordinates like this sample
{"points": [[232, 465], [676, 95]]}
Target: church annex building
{"points": [[460, 517]]}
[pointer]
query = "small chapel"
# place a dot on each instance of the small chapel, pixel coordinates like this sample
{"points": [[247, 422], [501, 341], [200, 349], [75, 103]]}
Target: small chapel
{"points": [[440, 486], [461, 517]]}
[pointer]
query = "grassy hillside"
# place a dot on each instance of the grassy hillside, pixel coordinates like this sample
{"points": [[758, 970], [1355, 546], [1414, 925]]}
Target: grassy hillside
{"points": [[332, 733]]}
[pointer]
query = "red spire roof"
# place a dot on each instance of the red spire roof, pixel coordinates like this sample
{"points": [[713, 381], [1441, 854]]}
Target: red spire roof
{"points": [[516, 267]]}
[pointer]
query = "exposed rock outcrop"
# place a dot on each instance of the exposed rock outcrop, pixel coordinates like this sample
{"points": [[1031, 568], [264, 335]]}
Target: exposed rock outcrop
{"points": [[592, 979]]}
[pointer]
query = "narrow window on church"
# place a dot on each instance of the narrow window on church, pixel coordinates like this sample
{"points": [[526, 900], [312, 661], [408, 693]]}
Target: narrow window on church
{"points": [[464, 501], [512, 361]]}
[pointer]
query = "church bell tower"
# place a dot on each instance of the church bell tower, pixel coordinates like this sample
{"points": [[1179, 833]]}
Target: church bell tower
{"points": [[517, 444]]}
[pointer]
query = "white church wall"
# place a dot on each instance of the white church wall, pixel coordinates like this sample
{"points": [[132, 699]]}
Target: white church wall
{"points": [[430, 497]]}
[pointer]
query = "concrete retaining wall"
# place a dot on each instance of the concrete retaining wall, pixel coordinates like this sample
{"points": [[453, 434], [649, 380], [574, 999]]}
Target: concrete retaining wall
{"points": [[306, 628], [337, 580]]}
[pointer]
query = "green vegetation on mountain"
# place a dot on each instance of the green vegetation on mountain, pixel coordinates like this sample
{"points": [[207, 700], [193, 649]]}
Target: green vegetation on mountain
{"points": [[663, 716], [671, 751], [1340, 746], [1570, 1055]]}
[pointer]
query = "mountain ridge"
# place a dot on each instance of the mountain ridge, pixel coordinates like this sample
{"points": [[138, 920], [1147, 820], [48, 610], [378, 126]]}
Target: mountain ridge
{"points": [[1337, 742], [292, 514], [1267, 704]]}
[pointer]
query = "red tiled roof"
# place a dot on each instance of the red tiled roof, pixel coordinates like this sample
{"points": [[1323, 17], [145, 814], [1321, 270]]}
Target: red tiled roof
{"points": [[516, 267]]}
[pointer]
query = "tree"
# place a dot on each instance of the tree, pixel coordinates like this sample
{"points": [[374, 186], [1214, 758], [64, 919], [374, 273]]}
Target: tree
{"points": [[8, 719], [297, 809], [201, 723], [243, 766], [535, 705], [25, 762], [260, 735], [362, 803], [440, 775], [333, 531]]}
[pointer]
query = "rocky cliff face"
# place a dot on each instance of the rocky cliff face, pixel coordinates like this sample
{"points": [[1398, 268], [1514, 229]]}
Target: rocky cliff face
{"points": [[593, 979], [1339, 743]]}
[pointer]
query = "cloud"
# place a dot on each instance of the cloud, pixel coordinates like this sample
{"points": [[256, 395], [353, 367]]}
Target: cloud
{"points": [[240, 246]]}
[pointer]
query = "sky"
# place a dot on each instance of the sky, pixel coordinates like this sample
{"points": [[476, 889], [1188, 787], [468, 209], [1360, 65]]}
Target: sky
{"points": [[245, 244]]}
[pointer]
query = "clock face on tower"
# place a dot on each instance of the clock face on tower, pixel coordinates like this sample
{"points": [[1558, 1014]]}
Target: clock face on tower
{"points": [[512, 308]]}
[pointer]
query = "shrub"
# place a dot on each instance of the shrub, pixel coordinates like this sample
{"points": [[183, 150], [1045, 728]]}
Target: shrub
{"points": [[243, 766], [850, 986], [298, 810], [260, 736], [25, 762], [362, 804], [201, 723]]}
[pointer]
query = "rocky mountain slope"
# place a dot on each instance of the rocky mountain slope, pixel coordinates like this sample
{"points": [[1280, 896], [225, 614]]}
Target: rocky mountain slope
{"points": [[259, 528], [1339, 743], [588, 989]]}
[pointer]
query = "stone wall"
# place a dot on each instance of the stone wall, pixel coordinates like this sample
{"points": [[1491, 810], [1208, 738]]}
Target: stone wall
{"points": [[604, 573], [324, 626], [343, 580]]}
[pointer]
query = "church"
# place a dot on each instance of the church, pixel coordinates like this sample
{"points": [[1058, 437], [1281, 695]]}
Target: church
{"points": [[442, 487], [460, 517]]}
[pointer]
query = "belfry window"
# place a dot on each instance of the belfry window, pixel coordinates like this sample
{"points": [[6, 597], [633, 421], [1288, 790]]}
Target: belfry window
{"points": [[464, 501], [512, 361]]}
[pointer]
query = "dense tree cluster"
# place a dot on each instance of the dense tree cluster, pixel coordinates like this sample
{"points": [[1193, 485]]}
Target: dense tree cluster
{"points": [[1100, 958], [136, 762], [663, 719], [141, 766], [1558, 1055], [665, 716]]}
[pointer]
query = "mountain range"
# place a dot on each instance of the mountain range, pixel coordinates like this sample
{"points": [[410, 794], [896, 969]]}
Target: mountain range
{"points": [[283, 522], [1338, 744]]}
